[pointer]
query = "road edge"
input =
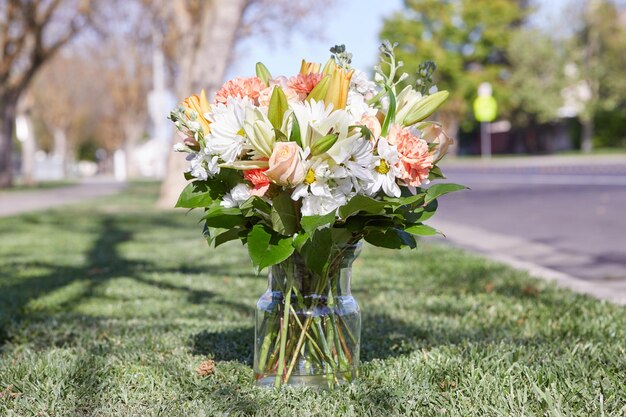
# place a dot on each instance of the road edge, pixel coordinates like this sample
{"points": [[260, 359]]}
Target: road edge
{"points": [[487, 244]]}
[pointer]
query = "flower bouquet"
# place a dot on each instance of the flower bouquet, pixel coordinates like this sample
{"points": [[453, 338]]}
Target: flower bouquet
{"points": [[301, 169]]}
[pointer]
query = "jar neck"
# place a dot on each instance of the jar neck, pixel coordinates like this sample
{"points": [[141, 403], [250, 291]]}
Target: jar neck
{"points": [[335, 281]]}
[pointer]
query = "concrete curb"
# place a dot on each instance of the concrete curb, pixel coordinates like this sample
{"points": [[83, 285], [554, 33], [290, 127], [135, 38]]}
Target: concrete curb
{"points": [[519, 253]]}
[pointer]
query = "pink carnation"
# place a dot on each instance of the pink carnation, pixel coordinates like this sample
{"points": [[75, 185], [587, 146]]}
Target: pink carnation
{"points": [[258, 179], [415, 160], [304, 83], [240, 87]]}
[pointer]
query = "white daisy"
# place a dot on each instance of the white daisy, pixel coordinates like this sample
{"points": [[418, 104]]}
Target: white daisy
{"points": [[227, 133], [385, 170], [324, 188], [360, 161]]}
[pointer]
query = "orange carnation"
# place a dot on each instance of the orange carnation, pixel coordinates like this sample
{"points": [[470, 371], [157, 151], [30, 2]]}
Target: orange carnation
{"points": [[241, 87], [415, 160]]}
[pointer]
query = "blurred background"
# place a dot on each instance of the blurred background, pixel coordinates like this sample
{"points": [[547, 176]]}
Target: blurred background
{"points": [[86, 86]]}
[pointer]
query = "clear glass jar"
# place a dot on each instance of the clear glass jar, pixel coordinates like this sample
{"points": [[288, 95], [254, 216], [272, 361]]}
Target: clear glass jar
{"points": [[308, 325]]}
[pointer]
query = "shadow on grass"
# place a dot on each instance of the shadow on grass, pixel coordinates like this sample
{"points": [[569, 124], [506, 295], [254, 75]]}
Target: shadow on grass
{"points": [[103, 263], [230, 345]]}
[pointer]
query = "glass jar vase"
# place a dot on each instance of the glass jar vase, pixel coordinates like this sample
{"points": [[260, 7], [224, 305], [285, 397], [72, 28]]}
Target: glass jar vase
{"points": [[308, 325]]}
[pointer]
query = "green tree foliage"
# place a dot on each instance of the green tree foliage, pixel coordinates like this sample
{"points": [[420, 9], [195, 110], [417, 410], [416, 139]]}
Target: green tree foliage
{"points": [[597, 49], [537, 62], [467, 39]]}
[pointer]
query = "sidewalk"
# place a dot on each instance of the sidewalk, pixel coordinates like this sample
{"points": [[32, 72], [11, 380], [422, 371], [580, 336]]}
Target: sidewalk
{"points": [[533, 161], [18, 202], [529, 256]]}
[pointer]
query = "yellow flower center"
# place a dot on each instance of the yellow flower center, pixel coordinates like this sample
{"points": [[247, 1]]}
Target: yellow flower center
{"points": [[241, 132], [310, 177], [383, 168]]}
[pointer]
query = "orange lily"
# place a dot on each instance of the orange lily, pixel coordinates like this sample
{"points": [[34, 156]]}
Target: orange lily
{"points": [[309, 67], [199, 105], [337, 93]]}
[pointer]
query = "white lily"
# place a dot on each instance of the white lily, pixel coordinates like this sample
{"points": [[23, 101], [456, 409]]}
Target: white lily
{"points": [[260, 132], [405, 101]]}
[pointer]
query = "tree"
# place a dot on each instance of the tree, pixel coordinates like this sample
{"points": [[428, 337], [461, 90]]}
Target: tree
{"points": [[128, 81], [537, 76], [31, 32], [206, 33], [63, 94], [467, 39], [597, 50]]}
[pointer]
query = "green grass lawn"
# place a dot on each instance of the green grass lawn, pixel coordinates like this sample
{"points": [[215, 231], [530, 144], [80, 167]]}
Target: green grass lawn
{"points": [[45, 185], [107, 308]]}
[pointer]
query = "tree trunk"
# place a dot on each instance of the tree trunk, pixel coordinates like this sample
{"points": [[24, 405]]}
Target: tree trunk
{"points": [[587, 139], [205, 55], [29, 149], [8, 112], [132, 133], [60, 149]]}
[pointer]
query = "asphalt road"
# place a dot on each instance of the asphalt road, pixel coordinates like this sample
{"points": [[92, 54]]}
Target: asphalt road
{"points": [[572, 217]]}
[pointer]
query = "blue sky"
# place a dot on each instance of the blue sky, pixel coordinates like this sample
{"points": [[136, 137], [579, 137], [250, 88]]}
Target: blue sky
{"points": [[355, 23]]}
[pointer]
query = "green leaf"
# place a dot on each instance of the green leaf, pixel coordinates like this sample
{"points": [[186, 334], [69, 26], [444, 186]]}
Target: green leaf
{"points": [[310, 223], [361, 203], [267, 247], [223, 217], [437, 190], [283, 215], [299, 240], [316, 251], [421, 230], [436, 174], [341, 236], [227, 236], [422, 214], [295, 135], [249, 206], [391, 113], [277, 108], [263, 73], [196, 194], [391, 239], [405, 201]]}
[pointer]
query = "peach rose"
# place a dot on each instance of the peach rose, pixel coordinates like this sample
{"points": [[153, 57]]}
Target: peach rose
{"points": [[415, 160], [372, 123], [259, 181], [286, 167], [436, 135]]}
